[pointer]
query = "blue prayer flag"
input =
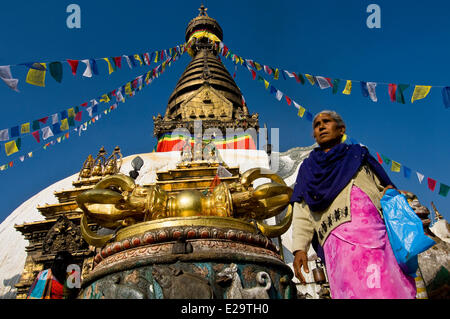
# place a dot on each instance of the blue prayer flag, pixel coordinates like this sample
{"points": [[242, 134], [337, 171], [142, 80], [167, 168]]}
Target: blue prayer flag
{"points": [[446, 96], [406, 171], [93, 66], [56, 128], [364, 90], [308, 116], [15, 131], [273, 90], [64, 115]]}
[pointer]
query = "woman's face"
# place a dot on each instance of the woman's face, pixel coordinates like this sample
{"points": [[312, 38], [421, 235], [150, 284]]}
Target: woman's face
{"points": [[326, 131]]}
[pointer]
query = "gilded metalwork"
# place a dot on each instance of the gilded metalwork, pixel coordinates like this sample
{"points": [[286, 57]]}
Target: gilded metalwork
{"points": [[117, 201]]}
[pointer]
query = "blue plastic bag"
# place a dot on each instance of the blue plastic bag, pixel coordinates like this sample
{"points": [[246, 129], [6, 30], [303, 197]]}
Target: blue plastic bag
{"points": [[405, 231]]}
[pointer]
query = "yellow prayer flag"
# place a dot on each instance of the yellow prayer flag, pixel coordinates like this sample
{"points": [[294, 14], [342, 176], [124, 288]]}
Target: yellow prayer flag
{"points": [[348, 88], [266, 84], [344, 138], [241, 60], [420, 92], [105, 98], [137, 57], [30, 154], [395, 166], [310, 79], [64, 125], [156, 56], [25, 128], [128, 88], [110, 68], [258, 66], [37, 77], [11, 148], [276, 74], [71, 112], [301, 111]]}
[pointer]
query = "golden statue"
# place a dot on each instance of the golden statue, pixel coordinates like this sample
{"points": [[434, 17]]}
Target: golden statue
{"points": [[113, 163], [117, 202], [86, 170]]}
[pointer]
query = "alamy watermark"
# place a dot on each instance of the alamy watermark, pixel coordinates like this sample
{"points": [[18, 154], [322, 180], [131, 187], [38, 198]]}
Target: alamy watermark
{"points": [[73, 21]]}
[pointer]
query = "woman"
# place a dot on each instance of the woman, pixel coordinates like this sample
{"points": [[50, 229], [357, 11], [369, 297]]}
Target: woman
{"points": [[337, 195]]}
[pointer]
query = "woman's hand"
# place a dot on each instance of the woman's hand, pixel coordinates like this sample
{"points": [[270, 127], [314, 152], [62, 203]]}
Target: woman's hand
{"points": [[300, 260], [386, 188]]}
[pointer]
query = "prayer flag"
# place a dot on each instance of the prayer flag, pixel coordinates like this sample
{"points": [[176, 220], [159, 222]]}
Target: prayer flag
{"points": [[64, 124], [73, 65], [156, 56], [15, 131], [288, 100], [392, 90], [379, 158], [323, 83], [71, 112], [431, 184], [71, 121], [35, 125], [276, 74], [400, 89], [25, 128], [110, 68], [364, 90], [296, 105], [105, 98], [289, 74], [336, 85], [6, 76], [308, 116], [56, 128], [385, 159], [78, 116], [94, 67], [344, 138], [46, 132], [279, 95], [4, 135], [56, 71], [372, 93], [406, 172], [420, 177], [299, 78], [310, 79], [301, 111], [146, 59], [89, 110], [267, 70], [420, 92], [88, 72], [43, 120], [348, 88], [11, 148], [64, 114], [118, 61], [128, 90], [137, 57], [266, 84], [443, 190], [446, 96], [395, 167], [36, 77]]}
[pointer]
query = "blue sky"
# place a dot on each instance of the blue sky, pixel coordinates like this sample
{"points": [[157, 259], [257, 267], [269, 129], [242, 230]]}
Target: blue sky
{"points": [[327, 38]]}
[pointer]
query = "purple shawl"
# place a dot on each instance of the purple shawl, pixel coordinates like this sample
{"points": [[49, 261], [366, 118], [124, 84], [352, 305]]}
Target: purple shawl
{"points": [[322, 176]]}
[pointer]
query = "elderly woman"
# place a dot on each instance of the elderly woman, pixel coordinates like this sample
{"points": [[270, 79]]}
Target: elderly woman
{"points": [[337, 195]]}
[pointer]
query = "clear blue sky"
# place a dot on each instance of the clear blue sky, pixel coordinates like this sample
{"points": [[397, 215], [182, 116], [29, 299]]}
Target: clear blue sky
{"points": [[328, 38]]}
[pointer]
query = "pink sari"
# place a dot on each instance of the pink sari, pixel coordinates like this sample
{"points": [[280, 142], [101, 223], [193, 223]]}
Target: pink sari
{"points": [[359, 259]]}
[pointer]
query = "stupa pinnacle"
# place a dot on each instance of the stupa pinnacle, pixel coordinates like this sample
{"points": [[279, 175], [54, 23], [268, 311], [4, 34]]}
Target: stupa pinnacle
{"points": [[205, 91]]}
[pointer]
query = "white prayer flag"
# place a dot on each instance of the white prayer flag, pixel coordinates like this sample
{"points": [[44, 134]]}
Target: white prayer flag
{"points": [[279, 95], [6, 76], [420, 177], [46, 132], [22, 158], [223, 172], [89, 110], [128, 61], [55, 118], [372, 93], [88, 72], [4, 135], [289, 74], [323, 83]]}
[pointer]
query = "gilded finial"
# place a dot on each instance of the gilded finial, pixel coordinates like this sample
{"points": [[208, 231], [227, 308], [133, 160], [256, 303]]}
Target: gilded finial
{"points": [[203, 10]]}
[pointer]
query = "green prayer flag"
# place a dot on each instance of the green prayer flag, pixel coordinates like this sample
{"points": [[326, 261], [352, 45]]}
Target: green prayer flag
{"points": [[36, 125], [56, 71], [443, 190], [260, 78], [335, 85], [71, 121], [385, 159], [400, 89]]}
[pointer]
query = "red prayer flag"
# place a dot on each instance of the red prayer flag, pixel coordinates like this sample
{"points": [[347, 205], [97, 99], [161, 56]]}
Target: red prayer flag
{"points": [[225, 50], [379, 158], [118, 61], [36, 136], [253, 74], [73, 65], [43, 120], [11, 164], [329, 81], [78, 116], [288, 100], [84, 104], [431, 184], [392, 91]]}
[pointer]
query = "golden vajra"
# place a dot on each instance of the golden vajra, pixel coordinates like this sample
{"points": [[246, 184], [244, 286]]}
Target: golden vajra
{"points": [[117, 202]]}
